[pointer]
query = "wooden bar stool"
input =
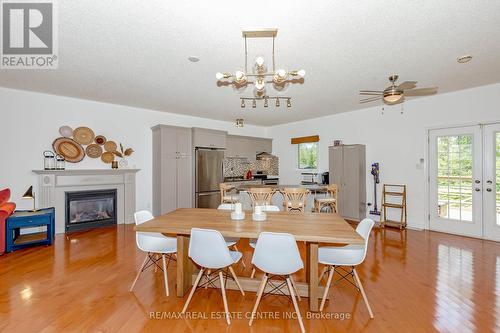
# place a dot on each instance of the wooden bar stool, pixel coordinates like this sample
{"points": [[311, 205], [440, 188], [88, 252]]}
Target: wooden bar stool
{"points": [[294, 199], [225, 197], [329, 201], [261, 196]]}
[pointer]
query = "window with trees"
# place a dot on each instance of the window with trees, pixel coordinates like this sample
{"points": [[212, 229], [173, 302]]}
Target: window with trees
{"points": [[307, 155]]}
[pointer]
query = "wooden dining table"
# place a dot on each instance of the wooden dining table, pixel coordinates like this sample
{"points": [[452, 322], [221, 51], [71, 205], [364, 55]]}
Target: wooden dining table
{"points": [[312, 228]]}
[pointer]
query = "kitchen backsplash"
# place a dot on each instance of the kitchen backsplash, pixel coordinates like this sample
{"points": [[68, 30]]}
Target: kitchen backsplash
{"points": [[238, 167]]}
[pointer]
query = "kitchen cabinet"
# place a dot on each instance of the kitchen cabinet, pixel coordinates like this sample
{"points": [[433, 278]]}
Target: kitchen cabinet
{"points": [[208, 138], [247, 147], [348, 170], [172, 168]]}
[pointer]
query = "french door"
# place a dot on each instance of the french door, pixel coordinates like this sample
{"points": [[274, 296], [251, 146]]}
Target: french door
{"points": [[464, 179]]}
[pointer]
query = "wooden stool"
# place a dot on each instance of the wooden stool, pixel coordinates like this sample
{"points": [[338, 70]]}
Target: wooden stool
{"points": [[225, 197], [261, 195], [330, 201], [294, 199]]}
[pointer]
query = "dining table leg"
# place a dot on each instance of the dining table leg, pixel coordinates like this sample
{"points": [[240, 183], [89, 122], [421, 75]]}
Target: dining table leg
{"points": [[312, 275], [184, 266]]}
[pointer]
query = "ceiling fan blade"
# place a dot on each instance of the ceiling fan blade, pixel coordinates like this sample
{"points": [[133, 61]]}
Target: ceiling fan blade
{"points": [[421, 91], [407, 85], [371, 91], [370, 99]]}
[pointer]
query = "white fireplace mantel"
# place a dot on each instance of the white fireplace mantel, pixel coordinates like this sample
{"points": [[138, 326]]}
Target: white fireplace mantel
{"points": [[53, 185]]}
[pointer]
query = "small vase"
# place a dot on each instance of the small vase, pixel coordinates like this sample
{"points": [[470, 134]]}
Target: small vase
{"points": [[123, 163], [114, 165]]}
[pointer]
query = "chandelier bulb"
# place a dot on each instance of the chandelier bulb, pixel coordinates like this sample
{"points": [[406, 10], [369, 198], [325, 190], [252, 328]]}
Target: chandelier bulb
{"points": [[243, 103], [301, 73], [254, 104], [277, 102], [288, 103], [266, 102], [240, 78], [219, 76]]}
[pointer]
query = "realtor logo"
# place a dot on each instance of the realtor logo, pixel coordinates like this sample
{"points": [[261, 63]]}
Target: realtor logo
{"points": [[29, 35]]}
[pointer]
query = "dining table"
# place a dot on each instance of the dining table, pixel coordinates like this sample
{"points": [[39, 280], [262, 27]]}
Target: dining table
{"points": [[311, 228]]}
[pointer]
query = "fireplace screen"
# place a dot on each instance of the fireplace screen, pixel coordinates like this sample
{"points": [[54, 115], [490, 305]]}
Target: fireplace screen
{"points": [[89, 209]]}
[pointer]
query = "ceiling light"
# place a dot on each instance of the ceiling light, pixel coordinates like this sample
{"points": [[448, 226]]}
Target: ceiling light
{"points": [[464, 59], [254, 104], [193, 59], [288, 103], [392, 97], [242, 103], [221, 76], [260, 84], [240, 78], [266, 102], [280, 76], [277, 102], [300, 73], [239, 122]]}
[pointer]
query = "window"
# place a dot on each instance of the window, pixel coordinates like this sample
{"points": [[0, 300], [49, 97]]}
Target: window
{"points": [[307, 155]]}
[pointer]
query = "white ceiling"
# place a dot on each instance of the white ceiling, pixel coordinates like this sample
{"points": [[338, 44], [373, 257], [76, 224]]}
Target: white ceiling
{"points": [[135, 52]]}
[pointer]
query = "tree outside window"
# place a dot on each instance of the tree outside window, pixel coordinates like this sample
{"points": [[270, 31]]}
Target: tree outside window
{"points": [[308, 155]]}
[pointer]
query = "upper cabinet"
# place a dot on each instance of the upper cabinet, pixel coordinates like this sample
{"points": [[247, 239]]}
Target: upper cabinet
{"points": [[247, 147], [208, 138]]}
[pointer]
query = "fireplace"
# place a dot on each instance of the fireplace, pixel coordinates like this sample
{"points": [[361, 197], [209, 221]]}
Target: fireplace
{"points": [[90, 209]]}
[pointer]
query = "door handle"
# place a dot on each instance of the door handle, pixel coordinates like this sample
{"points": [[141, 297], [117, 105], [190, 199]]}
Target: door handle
{"points": [[477, 189], [489, 182], [477, 181], [488, 189]]}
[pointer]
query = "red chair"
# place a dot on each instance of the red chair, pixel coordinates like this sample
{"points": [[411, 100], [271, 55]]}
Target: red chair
{"points": [[6, 209]]}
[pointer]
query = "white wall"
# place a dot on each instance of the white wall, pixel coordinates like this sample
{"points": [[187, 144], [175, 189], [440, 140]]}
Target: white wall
{"points": [[29, 122], [397, 141]]}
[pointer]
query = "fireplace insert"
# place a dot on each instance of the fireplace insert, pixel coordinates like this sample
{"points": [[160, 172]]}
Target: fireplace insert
{"points": [[90, 209]]}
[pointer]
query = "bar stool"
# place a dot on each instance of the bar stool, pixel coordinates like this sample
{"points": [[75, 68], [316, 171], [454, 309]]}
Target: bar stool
{"points": [[261, 196], [350, 255], [153, 244], [294, 199], [225, 197], [277, 254], [208, 250], [329, 201]]}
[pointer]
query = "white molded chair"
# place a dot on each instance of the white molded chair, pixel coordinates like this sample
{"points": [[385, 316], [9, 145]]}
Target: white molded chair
{"points": [[277, 254], [231, 241], [350, 255], [153, 244], [207, 248], [252, 242]]}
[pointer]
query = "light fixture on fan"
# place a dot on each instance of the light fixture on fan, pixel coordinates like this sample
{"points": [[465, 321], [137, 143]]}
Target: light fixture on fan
{"points": [[260, 75], [239, 122]]}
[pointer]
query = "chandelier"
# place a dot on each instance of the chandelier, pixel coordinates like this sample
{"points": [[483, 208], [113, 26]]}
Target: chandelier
{"points": [[260, 77]]}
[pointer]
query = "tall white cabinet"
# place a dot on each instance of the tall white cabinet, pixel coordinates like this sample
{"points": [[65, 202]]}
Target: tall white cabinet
{"points": [[348, 171], [172, 168]]}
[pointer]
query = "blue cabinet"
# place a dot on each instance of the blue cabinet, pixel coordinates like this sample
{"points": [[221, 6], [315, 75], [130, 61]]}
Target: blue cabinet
{"points": [[22, 219]]}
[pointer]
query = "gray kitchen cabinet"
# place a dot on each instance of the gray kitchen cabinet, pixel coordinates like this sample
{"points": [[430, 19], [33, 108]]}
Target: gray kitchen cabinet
{"points": [[348, 170], [172, 168], [247, 146], [208, 138]]}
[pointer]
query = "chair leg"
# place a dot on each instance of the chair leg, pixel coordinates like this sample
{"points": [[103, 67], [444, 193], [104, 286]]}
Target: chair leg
{"points": [[236, 280], [295, 305], [165, 276], [209, 271], [358, 282], [156, 259], [253, 273], [242, 261], [295, 288], [224, 298], [140, 271], [323, 271], [198, 278], [259, 296], [327, 287]]}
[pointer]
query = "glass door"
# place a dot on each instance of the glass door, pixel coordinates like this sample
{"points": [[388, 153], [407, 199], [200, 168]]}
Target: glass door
{"points": [[491, 186], [456, 180]]}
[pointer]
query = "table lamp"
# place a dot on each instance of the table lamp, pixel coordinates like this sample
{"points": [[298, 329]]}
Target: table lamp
{"points": [[30, 195]]}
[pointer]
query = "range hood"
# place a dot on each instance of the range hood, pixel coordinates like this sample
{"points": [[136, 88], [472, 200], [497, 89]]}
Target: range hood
{"points": [[264, 156]]}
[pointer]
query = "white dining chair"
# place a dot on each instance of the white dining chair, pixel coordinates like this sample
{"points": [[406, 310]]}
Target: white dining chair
{"points": [[231, 241], [277, 254], [252, 241], [154, 244], [207, 248], [349, 255]]}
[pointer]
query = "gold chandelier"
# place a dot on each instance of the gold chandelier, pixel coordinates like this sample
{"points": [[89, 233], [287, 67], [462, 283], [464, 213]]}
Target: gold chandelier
{"points": [[260, 77]]}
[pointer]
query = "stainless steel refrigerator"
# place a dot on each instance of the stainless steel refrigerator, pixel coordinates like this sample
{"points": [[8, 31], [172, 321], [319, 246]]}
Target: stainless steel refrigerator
{"points": [[208, 175]]}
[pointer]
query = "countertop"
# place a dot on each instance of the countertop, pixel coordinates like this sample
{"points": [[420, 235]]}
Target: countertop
{"points": [[279, 187]]}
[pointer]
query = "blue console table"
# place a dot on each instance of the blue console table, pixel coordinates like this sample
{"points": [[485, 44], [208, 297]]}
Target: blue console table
{"points": [[22, 219]]}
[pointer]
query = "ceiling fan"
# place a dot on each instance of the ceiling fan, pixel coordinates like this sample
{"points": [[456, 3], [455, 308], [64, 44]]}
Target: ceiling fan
{"points": [[395, 94]]}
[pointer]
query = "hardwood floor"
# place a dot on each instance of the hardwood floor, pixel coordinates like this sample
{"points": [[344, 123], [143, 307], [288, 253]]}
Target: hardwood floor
{"points": [[415, 282]]}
